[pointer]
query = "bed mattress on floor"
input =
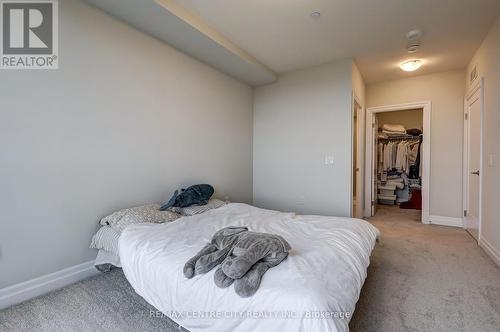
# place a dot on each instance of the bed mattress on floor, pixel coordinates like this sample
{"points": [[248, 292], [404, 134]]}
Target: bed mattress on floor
{"points": [[315, 289]]}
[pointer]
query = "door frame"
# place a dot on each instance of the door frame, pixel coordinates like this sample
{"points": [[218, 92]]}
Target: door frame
{"points": [[357, 105], [465, 166], [426, 106]]}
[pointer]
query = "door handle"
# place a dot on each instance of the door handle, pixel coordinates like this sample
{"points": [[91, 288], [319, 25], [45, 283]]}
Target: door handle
{"points": [[475, 173]]}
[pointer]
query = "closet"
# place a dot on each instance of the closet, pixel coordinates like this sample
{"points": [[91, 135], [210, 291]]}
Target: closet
{"points": [[399, 159]]}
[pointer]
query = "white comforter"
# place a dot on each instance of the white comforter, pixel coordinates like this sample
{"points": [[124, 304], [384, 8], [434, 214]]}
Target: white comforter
{"points": [[315, 289]]}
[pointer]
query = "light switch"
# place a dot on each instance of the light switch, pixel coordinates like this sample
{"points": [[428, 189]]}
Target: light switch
{"points": [[491, 160]]}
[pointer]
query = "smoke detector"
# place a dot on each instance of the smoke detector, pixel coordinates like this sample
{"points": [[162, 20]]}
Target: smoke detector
{"points": [[414, 35], [315, 15], [413, 48]]}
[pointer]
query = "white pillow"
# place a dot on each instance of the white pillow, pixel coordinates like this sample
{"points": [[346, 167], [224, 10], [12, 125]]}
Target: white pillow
{"points": [[197, 209], [106, 238], [147, 213]]}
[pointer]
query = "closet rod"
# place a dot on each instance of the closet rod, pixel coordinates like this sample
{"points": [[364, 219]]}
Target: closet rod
{"points": [[400, 138]]}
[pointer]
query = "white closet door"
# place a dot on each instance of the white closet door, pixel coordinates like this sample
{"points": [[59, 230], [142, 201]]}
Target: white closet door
{"points": [[374, 166], [473, 164]]}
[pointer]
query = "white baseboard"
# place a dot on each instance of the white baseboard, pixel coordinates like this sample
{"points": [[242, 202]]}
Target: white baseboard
{"points": [[35, 287], [490, 251], [446, 221]]}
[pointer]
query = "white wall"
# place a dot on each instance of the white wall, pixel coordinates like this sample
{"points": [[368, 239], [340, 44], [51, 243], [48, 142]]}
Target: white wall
{"points": [[487, 60], [446, 93], [298, 120], [409, 118], [358, 84], [124, 121]]}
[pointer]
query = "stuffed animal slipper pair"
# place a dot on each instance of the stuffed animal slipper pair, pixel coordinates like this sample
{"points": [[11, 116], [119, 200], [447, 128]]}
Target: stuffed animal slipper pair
{"points": [[243, 257]]}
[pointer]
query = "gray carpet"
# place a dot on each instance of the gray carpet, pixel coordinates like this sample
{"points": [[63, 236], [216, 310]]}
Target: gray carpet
{"points": [[421, 278], [103, 303], [427, 278]]}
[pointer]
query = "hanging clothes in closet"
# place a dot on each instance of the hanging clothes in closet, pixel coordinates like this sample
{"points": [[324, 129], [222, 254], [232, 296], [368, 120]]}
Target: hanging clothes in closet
{"points": [[399, 164], [398, 154]]}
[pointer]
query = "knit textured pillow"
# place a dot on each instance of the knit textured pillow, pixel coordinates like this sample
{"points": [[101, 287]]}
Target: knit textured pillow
{"points": [[151, 213]]}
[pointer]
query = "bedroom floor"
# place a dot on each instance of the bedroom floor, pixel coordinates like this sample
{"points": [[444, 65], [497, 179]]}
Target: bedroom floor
{"points": [[106, 302], [427, 278], [421, 278]]}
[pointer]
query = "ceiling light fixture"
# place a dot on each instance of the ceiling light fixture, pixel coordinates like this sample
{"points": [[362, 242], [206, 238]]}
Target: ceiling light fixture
{"points": [[411, 65], [315, 15]]}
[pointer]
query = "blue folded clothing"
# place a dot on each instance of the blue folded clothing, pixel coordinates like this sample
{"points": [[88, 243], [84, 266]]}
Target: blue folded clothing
{"points": [[195, 195]]}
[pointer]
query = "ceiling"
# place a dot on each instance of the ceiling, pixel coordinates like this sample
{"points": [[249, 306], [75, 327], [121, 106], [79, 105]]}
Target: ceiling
{"points": [[282, 35], [172, 24]]}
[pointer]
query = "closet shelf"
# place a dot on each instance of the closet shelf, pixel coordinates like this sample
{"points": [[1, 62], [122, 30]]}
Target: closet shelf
{"points": [[400, 138]]}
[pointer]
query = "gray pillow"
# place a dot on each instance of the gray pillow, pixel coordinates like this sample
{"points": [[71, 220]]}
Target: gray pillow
{"points": [[151, 213], [106, 238], [197, 209]]}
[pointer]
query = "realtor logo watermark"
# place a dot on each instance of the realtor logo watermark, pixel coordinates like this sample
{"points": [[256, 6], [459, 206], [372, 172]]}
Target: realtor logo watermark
{"points": [[29, 34]]}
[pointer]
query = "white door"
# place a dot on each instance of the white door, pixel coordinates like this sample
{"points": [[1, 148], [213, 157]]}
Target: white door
{"points": [[473, 163], [357, 139], [374, 164]]}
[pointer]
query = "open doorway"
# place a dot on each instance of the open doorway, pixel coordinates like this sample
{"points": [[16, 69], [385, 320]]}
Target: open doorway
{"points": [[398, 160]]}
